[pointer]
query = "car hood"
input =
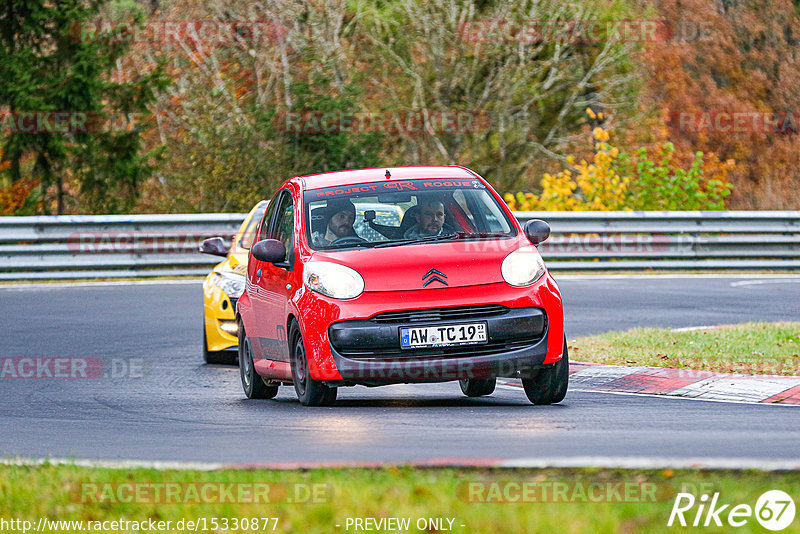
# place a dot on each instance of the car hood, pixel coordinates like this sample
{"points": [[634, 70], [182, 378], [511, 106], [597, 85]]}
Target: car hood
{"points": [[427, 265]]}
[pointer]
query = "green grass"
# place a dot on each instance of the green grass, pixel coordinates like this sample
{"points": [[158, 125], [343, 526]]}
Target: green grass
{"points": [[58, 492], [748, 348]]}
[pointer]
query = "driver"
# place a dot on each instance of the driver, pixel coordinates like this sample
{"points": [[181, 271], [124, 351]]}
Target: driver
{"points": [[430, 220], [341, 214]]}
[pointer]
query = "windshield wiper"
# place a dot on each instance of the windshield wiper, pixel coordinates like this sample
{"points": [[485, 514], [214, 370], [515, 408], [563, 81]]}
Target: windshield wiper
{"points": [[481, 235], [442, 237], [360, 244]]}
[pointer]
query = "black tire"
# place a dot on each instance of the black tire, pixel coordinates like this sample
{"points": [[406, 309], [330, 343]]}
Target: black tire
{"points": [[216, 356], [310, 392], [477, 387], [550, 384], [252, 384], [330, 396]]}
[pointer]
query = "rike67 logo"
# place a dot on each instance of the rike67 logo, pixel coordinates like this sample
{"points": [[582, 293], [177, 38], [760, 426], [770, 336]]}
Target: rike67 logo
{"points": [[774, 510]]}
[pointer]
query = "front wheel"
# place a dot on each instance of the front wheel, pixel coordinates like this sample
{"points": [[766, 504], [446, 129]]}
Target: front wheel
{"points": [[215, 356], [477, 387], [310, 392], [550, 384], [253, 385]]}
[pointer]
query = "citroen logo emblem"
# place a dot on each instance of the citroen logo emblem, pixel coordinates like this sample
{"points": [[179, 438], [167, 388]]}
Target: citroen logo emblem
{"points": [[434, 276]]}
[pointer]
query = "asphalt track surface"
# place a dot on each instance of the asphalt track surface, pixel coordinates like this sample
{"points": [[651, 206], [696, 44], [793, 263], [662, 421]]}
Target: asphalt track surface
{"points": [[180, 409]]}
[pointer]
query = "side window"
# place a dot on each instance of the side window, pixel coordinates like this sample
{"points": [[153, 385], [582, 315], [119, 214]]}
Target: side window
{"points": [[273, 205], [249, 233], [284, 225]]}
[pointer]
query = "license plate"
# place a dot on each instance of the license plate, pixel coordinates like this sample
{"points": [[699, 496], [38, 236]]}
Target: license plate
{"points": [[420, 337]]}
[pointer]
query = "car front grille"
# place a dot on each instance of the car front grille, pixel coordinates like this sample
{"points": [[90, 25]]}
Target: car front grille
{"points": [[434, 315], [377, 338]]}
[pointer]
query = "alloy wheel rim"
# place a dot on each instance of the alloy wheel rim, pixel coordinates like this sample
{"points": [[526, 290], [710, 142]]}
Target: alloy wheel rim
{"points": [[247, 364], [300, 370]]}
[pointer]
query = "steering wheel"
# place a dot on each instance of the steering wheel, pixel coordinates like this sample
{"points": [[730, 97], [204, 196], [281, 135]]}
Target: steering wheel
{"points": [[349, 240]]}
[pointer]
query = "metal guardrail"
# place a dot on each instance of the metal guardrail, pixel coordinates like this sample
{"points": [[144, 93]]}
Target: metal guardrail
{"points": [[692, 240], [111, 246]]}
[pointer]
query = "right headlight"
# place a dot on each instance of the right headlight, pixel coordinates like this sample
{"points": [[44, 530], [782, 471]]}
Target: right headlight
{"points": [[232, 284], [333, 280], [523, 267]]}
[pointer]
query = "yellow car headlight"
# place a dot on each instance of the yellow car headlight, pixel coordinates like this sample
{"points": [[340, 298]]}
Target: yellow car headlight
{"points": [[232, 284]]}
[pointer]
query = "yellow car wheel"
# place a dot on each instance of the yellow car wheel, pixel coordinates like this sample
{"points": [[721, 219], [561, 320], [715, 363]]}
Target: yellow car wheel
{"points": [[216, 356]]}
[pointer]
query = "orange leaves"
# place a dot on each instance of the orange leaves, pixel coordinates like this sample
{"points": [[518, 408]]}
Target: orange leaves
{"points": [[739, 60], [13, 198], [4, 165]]}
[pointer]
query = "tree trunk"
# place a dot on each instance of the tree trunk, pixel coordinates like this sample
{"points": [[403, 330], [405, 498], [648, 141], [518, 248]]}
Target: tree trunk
{"points": [[60, 201]]}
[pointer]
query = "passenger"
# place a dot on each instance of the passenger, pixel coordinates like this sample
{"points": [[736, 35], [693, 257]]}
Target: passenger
{"points": [[430, 220], [340, 214]]}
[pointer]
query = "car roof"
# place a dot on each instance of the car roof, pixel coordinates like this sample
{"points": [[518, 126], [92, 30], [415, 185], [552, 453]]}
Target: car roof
{"points": [[378, 174]]}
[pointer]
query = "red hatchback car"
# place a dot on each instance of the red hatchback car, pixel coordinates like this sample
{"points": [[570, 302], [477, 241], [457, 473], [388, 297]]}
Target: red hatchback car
{"points": [[409, 274]]}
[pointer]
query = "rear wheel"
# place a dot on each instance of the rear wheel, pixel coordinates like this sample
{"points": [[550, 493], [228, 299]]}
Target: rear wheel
{"points": [[477, 387], [253, 385], [310, 392], [550, 384]]}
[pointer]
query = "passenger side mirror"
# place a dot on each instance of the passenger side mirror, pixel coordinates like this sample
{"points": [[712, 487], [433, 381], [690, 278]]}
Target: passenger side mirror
{"points": [[537, 231], [270, 251], [215, 246]]}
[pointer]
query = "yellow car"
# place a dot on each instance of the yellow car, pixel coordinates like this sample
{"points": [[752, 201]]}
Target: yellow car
{"points": [[223, 287]]}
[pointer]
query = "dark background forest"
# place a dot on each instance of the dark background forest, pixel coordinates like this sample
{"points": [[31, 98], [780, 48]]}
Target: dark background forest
{"points": [[194, 106]]}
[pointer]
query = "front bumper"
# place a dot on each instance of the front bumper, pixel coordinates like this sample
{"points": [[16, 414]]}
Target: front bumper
{"points": [[368, 351], [317, 313], [218, 314]]}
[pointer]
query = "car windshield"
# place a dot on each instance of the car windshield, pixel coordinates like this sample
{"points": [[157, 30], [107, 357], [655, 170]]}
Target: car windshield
{"points": [[384, 214], [250, 232]]}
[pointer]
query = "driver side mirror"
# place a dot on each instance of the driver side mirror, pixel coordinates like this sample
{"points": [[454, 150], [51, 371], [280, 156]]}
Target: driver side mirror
{"points": [[270, 251], [215, 246], [537, 231]]}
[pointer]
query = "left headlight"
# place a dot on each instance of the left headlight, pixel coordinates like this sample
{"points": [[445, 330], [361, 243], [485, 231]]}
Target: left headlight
{"points": [[523, 267], [232, 284], [333, 280]]}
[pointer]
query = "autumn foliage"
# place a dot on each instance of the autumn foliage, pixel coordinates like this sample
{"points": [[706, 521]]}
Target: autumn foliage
{"points": [[16, 198], [733, 57], [212, 140], [615, 180]]}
